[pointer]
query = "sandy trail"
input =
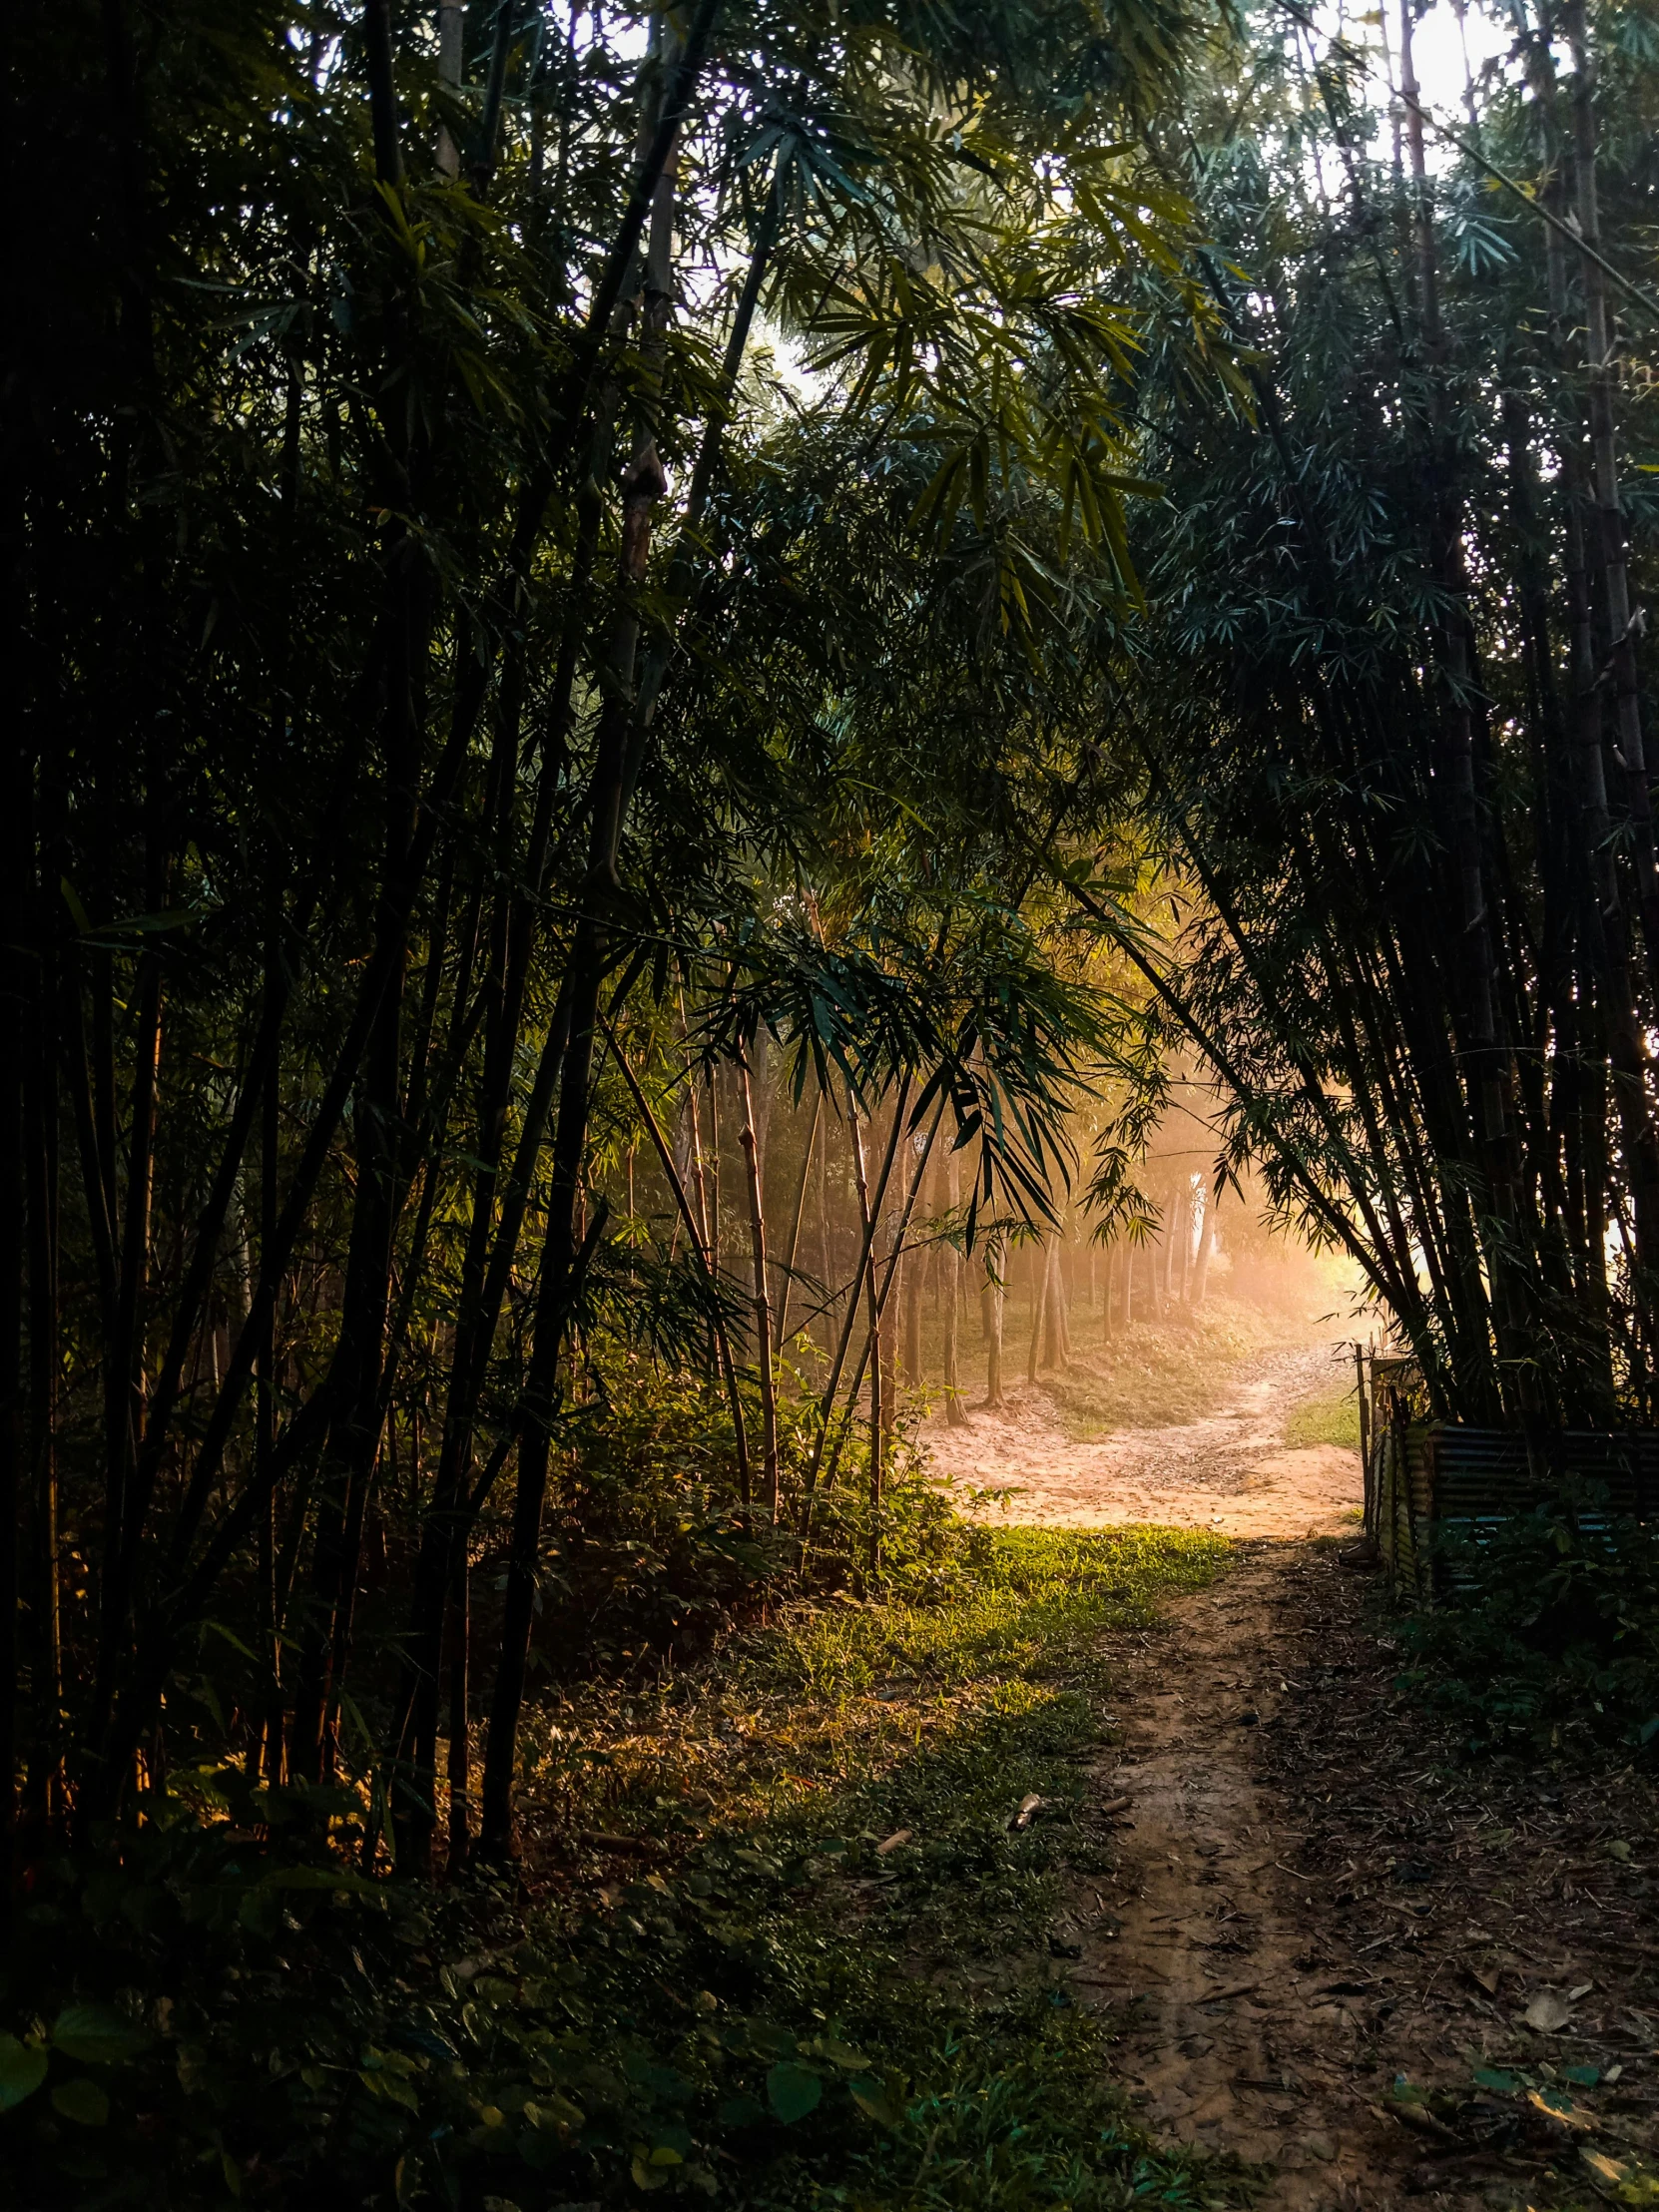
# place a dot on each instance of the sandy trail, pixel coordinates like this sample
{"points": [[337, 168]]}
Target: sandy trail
{"points": [[1318, 1915], [1231, 1471], [1243, 2029]]}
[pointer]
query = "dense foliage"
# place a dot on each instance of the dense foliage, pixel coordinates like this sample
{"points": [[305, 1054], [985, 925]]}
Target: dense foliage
{"points": [[473, 698], [1392, 692], [673, 670]]}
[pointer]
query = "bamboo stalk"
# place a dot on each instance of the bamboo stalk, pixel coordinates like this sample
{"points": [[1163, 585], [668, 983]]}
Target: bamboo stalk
{"points": [[762, 1298], [788, 1282]]}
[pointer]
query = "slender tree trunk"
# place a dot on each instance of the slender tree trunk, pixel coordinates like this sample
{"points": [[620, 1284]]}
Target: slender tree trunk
{"points": [[459, 1760], [1206, 1252], [913, 1289], [41, 1115], [265, 1439], [991, 1300], [1622, 623], [950, 1261], [787, 1287], [696, 1231], [565, 1250], [762, 1299], [451, 33], [1483, 1055], [1039, 1307], [1054, 1317], [826, 1248], [16, 816], [877, 1420]]}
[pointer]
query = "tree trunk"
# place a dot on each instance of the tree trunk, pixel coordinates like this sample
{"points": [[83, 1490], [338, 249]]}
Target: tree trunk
{"points": [[1622, 624], [15, 829], [761, 1299], [565, 1251], [459, 1760], [1206, 1249], [877, 1420], [786, 1287], [1040, 1308], [913, 1320], [451, 30], [950, 1261], [1475, 962], [991, 1299], [1056, 1337]]}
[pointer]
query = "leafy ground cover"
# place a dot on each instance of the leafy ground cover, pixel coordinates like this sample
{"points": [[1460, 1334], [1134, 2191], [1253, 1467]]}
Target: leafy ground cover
{"points": [[804, 1960], [1546, 1639], [1332, 1419], [1162, 1372]]}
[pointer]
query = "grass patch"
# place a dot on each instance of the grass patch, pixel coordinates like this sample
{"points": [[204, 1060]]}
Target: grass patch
{"points": [[1326, 1420], [759, 2009], [1162, 1373]]}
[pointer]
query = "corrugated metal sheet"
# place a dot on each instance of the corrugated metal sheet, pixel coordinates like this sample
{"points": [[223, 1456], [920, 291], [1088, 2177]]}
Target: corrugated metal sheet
{"points": [[1426, 1478]]}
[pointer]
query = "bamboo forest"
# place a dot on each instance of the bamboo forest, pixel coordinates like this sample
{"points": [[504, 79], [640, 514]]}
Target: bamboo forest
{"points": [[830, 1137]]}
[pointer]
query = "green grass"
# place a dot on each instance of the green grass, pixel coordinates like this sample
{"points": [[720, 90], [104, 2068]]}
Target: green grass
{"points": [[759, 2009], [805, 1745], [1161, 1374], [829, 1698], [1325, 1421]]}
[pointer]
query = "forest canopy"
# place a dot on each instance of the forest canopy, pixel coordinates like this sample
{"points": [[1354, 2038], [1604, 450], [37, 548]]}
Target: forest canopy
{"points": [[668, 667]]}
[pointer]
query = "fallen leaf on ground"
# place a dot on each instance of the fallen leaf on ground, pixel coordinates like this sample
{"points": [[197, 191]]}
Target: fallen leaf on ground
{"points": [[1548, 2012], [1560, 2108], [898, 1836], [1604, 2168]]}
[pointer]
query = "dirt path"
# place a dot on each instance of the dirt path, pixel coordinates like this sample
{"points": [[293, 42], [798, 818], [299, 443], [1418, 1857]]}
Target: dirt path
{"points": [[1337, 1948], [1229, 1471], [1323, 1923], [1242, 2028]]}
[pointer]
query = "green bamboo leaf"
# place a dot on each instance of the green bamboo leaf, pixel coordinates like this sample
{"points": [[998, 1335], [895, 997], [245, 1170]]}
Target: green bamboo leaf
{"points": [[96, 2035]]}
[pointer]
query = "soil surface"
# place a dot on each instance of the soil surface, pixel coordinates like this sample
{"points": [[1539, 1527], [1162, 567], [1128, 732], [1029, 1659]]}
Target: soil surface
{"points": [[1229, 1471], [1338, 1947], [1322, 1920]]}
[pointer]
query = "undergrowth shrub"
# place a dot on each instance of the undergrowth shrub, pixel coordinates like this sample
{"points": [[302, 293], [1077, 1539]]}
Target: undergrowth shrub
{"points": [[648, 1550], [1548, 1631], [215, 2006]]}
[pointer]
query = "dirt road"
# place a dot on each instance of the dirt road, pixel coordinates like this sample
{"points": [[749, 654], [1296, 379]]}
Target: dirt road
{"points": [[1231, 1471], [1335, 1947]]}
